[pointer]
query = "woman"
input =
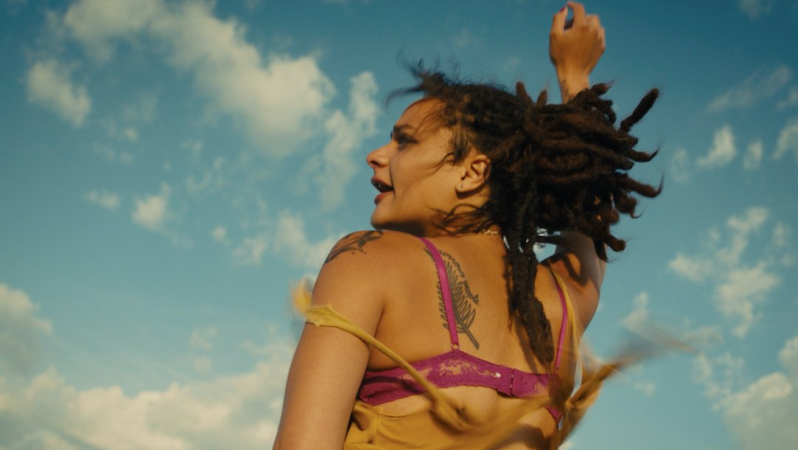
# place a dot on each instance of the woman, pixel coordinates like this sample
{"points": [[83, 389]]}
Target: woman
{"points": [[472, 179]]}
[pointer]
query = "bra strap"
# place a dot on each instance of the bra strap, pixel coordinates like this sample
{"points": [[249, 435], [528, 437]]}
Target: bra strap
{"points": [[443, 281], [564, 323]]}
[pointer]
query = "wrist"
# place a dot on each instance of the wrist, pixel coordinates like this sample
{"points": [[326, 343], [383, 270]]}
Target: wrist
{"points": [[572, 82]]}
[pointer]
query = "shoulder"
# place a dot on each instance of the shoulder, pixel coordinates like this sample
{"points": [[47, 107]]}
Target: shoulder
{"points": [[365, 268], [581, 279], [366, 246]]}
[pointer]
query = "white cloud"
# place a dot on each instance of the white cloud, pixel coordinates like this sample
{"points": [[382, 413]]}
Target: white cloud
{"points": [[790, 100], [20, 330], [239, 411], [723, 150], [142, 110], [112, 155], [465, 38], [202, 338], [788, 140], [291, 242], [646, 387], [719, 376], [754, 8], [782, 246], [741, 290], [765, 410], [152, 211], [741, 284], [97, 23], [788, 356], [251, 250], [337, 165], [694, 268], [753, 155], [638, 318], [680, 166], [742, 227], [219, 234], [48, 84], [757, 87], [213, 178], [280, 101], [702, 337], [44, 412], [108, 200]]}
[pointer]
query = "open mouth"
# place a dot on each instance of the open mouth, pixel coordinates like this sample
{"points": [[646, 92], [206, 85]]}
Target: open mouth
{"points": [[382, 187]]}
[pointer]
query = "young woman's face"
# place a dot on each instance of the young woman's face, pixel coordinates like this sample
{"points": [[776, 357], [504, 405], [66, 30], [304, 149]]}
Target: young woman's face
{"points": [[413, 174]]}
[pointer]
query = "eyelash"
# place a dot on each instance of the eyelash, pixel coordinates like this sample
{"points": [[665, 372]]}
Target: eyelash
{"points": [[402, 139]]}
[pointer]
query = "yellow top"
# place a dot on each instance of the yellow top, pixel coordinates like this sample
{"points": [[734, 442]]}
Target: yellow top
{"points": [[445, 426]]}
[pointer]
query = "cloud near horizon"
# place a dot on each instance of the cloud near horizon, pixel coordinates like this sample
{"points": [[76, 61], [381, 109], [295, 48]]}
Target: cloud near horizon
{"points": [[45, 412]]}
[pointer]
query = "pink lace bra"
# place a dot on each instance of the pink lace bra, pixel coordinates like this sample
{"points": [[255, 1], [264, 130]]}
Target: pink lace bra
{"points": [[458, 368]]}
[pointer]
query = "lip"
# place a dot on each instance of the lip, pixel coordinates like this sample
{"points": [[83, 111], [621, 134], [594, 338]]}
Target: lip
{"points": [[378, 184], [381, 196]]}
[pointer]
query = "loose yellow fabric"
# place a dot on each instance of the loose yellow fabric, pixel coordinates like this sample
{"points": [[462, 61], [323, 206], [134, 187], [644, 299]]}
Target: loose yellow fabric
{"points": [[445, 426]]}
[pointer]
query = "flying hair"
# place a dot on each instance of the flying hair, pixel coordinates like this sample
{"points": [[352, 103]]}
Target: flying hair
{"points": [[553, 167]]}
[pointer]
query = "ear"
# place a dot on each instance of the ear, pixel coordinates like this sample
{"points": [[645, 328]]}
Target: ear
{"points": [[474, 173]]}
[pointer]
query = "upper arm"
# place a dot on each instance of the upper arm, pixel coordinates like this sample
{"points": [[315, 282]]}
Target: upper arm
{"points": [[329, 363], [576, 262]]}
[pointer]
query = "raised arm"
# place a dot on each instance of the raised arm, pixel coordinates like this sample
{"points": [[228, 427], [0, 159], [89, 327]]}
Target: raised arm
{"points": [[575, 47]]}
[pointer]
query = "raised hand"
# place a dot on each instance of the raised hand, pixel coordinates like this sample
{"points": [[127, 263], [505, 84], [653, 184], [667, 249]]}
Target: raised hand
{"points": [[575, 46]]}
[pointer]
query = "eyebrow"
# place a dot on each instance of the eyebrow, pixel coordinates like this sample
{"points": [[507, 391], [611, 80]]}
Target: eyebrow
{"points": [[401, 128]]}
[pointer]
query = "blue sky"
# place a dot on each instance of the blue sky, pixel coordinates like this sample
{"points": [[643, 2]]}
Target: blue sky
{"points": [[169, 168]]}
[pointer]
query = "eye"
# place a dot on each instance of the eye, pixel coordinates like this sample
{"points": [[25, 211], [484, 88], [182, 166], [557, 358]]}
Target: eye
{"points": [[402, 139]]}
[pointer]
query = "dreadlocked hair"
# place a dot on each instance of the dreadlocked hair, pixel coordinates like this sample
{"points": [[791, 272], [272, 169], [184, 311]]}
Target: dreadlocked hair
{"points": [[553, 167]]}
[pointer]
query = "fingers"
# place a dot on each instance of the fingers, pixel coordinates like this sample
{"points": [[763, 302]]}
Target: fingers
{"points": [[578, 9], [558, 22]]}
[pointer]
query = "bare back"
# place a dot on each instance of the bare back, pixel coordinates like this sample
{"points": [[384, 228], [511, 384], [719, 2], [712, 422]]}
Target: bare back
{"points": [[412, 323]]}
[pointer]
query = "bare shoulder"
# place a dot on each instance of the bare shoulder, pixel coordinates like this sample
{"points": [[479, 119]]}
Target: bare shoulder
{"points": [[363, 270], [367, 247], [582, 279]]}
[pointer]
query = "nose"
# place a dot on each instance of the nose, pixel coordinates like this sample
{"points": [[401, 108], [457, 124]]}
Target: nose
{"points": [[377, 158]]}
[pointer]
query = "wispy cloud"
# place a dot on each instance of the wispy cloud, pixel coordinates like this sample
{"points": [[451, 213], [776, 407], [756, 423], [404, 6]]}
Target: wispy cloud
{"points": [[48, 84], [250, 251], [788, 140], [20, 330], [753, 155], [202, 338], [680, 166], [44, 411], [346, 132], [219, 234], [638, 318], [790, 100], [291, 242], [762, 411], [103, 198], [238, 411], [755, 8], [279, 100], [740, 284], [723, 149], [757, 87], [152, 211]]}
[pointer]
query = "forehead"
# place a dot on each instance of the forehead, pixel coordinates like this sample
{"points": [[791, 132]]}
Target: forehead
{"points": [[421, 115]]}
